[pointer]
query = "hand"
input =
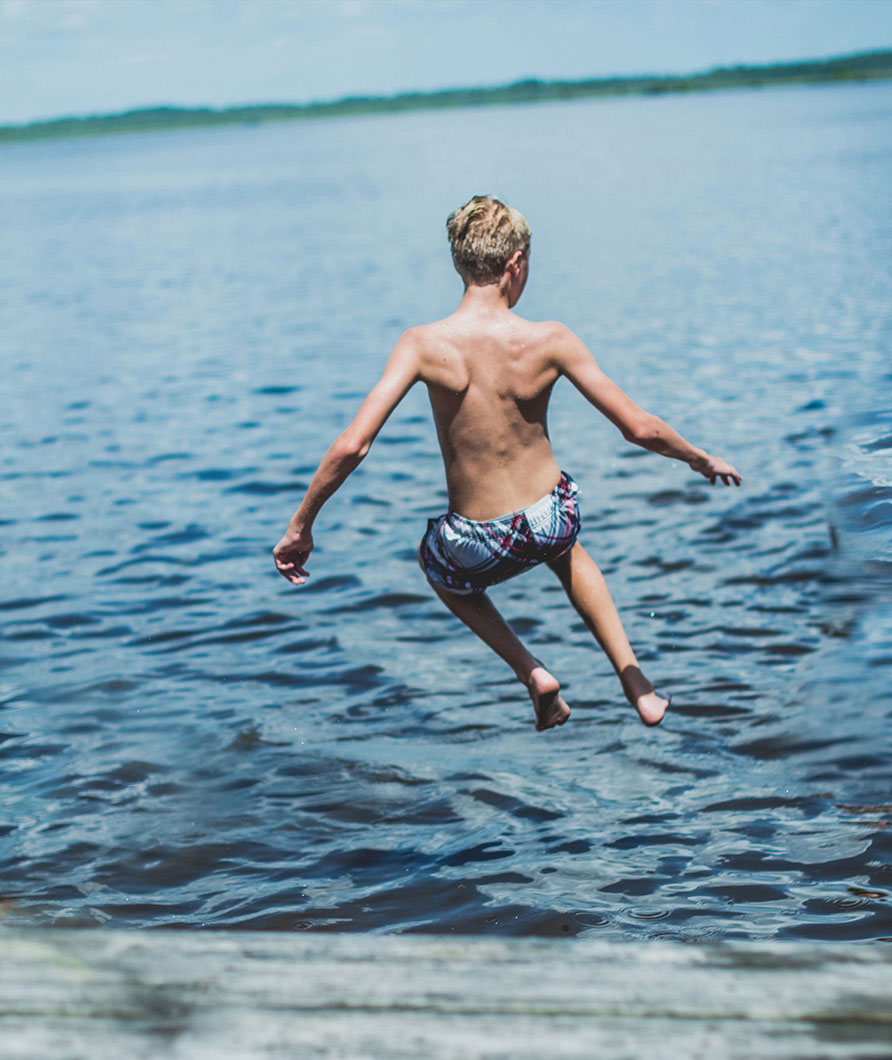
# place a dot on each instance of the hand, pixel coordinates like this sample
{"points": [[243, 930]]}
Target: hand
{"points": [[714, 468], [291, 554]]}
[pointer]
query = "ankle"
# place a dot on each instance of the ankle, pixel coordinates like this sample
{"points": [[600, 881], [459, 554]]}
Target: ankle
{"points": [[635, 684], [524, 672]]}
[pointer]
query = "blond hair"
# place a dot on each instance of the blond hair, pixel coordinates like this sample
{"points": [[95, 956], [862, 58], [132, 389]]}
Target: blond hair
{"points": [[484, 233]]}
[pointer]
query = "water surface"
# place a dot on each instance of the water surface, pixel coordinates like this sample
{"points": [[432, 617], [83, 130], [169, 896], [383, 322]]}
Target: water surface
{"points": [[187, 319]]}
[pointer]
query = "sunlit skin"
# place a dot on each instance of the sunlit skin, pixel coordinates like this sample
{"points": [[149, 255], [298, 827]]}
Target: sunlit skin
{"points": [[489, 375]]}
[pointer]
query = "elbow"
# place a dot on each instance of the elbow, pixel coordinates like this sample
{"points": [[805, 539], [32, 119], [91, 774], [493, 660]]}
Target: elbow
{"points": [[644, 431], [351, 449]]}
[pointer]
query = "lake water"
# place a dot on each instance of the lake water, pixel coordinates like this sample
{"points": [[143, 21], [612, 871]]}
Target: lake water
{"points": [[188, 319]]}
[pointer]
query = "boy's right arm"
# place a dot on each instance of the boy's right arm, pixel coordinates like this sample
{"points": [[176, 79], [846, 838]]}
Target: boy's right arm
{"points": [[345, 455], [574, 360]]}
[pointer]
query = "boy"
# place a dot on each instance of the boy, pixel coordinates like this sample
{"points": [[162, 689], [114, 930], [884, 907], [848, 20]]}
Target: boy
{"points": [[489, 376]]}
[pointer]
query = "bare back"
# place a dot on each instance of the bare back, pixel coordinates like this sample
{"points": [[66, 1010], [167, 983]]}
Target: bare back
{"points": [[489, 375]]}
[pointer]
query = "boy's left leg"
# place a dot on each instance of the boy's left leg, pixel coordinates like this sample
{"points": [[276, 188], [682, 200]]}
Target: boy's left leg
{"points": [[482, 617], [584, 584]]}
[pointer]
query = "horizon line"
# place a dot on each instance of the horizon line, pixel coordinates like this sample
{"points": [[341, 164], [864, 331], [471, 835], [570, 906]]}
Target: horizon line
{"points": [[530, 89]]}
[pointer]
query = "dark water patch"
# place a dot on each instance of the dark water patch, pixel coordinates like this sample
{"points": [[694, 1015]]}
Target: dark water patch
{"points": [[877, 514], [186, 536], [166, 581], [378, 502], [145, 559], [806, 438], [31, 634], [69, 621], [665, 566], [789, 649], [632, 887], [259, 488], [112, 687], [330, 584], [363, 677], [258, 618], [314, 645], [26, 603], [151, 605], [879, 445], [865, 495], [198, 640], [514, 806], [869, 924], [764, 581], [750, 804], [164, 458], [217, 474], [656, 839], [386, 600], [572, 846], [14, 476], [32, 749], [749, 631], [57, 517], [491, 851], [787, 746], [666, 498], [161, 637], [142, 871], [745, 894]]}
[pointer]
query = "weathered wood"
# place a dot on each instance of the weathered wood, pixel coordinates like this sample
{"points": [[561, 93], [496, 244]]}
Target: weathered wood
{"points": [[112, 994]]}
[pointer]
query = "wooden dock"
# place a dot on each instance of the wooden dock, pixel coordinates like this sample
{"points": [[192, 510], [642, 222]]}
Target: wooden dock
{"points": [[122, 995]]}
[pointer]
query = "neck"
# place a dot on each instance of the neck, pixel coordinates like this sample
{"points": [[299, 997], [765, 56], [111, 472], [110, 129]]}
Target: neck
{"points": [[491, 298]]}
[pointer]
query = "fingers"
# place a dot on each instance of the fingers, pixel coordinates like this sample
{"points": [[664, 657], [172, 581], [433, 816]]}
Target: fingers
{"points": [[728, 478], [728, 474], [292, 571], [294, 576]]}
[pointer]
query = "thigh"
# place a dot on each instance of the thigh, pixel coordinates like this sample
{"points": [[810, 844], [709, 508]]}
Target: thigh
{"points": [[575, 562]]}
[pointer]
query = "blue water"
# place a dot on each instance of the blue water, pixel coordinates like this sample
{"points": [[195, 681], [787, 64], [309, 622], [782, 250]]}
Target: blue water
{"points": [[187, 319]]}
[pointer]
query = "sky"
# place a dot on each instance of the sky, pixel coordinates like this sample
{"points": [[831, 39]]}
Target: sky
{"points": [[65, 57]]}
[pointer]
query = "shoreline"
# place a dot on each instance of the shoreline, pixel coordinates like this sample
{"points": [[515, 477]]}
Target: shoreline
{"points": [[850, 69]]}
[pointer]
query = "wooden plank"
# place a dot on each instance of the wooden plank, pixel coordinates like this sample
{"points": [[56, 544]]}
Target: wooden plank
{"points": [[152, 994]]}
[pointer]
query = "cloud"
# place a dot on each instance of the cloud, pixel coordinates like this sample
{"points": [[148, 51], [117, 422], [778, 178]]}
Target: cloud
{"points": [[50, 15]]}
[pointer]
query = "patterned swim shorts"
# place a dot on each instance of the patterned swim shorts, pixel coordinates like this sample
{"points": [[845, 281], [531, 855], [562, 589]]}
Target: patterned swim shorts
{"points": [[466, 556]]}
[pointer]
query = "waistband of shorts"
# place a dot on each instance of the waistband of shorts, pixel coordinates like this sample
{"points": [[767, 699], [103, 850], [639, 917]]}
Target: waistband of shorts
{"points": [[566, 484]]}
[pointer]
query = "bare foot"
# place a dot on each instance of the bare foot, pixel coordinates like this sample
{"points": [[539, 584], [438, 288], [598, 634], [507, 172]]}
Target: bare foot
{"points": [[651, 707], [640, 693], [544, 691]]}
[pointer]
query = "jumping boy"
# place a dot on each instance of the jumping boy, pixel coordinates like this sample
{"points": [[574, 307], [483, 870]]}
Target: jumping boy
{"points": [[489, 375]]}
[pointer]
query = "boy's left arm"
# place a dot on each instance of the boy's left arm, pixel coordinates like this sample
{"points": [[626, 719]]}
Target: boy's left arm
{"points": [[574, 360], [345, 455]]}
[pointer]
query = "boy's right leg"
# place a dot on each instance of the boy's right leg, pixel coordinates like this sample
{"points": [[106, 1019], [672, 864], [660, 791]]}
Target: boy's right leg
{"points": [[482, 617], [585, 585]]}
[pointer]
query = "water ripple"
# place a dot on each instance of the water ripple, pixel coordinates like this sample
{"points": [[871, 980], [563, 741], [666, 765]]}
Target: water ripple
{"points": [[188, 740]]}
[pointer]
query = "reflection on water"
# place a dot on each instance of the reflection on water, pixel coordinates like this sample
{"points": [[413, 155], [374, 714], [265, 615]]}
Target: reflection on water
{"points": [[190, 318]]}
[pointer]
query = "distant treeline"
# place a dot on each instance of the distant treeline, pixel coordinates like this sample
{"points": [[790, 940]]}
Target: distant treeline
{"points": [[865, 66]]}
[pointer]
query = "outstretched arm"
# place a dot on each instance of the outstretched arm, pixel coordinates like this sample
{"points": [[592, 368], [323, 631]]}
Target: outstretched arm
{"points": [[344, 456], [574, 360]]}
